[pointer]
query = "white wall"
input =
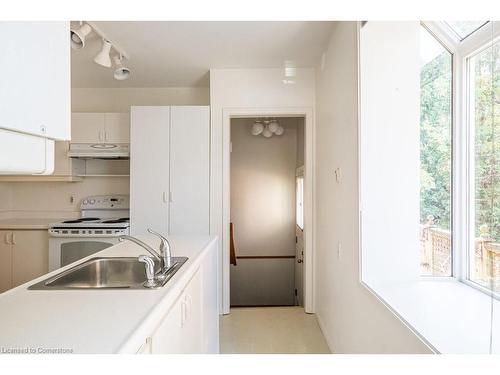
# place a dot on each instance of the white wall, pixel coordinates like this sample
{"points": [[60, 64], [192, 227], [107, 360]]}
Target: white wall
{"points": [[52, 199], [390, 151], [245, 89], [351, 318], [120, 100], [263, 213]]}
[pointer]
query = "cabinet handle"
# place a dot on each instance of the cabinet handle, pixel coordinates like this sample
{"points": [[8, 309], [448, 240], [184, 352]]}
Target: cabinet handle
{"points": [[164, 197], [6, 239], [170, 197], [13, 238], [105, 135], [100, 135]]}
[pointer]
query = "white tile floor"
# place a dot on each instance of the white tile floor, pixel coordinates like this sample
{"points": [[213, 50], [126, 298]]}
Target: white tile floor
{"points": [[284, 330]]}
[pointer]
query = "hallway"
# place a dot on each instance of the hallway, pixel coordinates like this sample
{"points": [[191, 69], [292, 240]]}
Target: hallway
{"points": [[268, 330]]}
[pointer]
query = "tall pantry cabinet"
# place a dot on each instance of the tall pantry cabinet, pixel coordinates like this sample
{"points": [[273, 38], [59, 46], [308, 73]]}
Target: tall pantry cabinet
{"points": [[169, 169]]}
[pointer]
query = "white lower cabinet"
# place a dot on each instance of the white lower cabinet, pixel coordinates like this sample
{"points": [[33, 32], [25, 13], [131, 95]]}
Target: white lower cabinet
{"points": [[181, 329], [24, 256]]}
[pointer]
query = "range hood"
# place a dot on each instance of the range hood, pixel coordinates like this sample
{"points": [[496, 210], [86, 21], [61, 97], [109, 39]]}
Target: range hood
{"points": [[99, 151]]}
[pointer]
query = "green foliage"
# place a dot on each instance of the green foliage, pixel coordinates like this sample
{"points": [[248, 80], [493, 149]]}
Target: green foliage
{"points": [[435, 140], [487, 139]]}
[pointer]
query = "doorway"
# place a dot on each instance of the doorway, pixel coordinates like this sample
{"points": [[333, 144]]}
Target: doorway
{"points": [[308, 234], [267, 211]]}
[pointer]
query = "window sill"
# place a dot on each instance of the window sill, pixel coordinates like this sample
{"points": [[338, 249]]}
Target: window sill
{"points": [[448, 315]]}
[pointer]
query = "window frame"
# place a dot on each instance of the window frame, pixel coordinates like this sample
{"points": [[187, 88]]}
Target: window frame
{"points": [[438, 35], [463, 141], [470, 166]]}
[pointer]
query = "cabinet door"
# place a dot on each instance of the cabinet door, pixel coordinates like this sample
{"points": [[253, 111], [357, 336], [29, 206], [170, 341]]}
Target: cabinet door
{"points": [[87, 127], [35, 86], [5, 261], [149, 169], [189, 170], [117, 127], [168, 337], [30, 255], [192, 333]]}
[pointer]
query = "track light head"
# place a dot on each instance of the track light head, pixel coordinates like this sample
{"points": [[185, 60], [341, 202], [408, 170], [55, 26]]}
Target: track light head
{"points": [[77, 36], [103, 57], [121, 72]]}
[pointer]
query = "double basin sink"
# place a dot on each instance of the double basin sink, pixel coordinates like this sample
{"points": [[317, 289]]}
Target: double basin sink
{"points": [[106, 273]]}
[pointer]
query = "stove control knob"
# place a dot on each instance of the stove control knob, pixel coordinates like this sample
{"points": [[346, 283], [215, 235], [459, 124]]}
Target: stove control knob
{"points": [[85, 202], [92, 201]]}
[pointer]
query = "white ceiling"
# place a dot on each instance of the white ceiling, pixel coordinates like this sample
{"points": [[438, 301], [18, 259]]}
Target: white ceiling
{"points": [[180, 54]]}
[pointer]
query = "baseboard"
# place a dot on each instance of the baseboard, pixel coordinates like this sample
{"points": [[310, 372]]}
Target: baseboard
{"points": [[327, 337]]}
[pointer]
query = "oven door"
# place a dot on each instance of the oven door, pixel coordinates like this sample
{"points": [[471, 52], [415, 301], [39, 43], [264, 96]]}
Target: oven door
{"points": [[66, 250]]}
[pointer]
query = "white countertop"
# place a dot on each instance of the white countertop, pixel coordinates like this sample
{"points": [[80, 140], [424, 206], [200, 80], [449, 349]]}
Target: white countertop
{"points": [[95, 321], [28, 223]]}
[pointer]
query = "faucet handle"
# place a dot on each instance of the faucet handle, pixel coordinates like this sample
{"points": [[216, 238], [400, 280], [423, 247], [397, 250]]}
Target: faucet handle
{"points": [[150, 270]]}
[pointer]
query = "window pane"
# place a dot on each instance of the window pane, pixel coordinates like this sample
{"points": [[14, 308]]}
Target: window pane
{"points": [[435, 157], [485, 116], [465, 28], [300, 202]]}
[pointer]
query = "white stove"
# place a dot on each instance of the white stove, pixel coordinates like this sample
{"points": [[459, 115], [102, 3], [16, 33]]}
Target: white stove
{"points": [[103, 219]]}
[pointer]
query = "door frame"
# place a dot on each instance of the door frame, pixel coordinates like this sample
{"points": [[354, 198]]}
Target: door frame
{"points": [[309, 181]]}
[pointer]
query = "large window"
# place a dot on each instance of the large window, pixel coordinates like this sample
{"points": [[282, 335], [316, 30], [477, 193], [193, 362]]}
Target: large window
{"points": [[484, 119], [435, 156]]}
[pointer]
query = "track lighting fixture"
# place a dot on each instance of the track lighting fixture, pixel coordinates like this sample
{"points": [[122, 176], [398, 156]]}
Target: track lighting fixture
{"points": [[121, 72], [78, 36], [103, 57]]}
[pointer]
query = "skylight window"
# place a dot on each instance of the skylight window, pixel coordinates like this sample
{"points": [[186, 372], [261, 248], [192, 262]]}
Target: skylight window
{"points": [[463, 29]]}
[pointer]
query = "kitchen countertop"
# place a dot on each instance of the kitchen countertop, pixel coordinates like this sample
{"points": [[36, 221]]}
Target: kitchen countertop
{"points": [[28, 223], [95, 321]]}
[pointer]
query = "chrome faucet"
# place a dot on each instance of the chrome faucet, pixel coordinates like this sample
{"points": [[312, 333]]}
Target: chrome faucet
{"points": [[165, 250], [142, 244]]}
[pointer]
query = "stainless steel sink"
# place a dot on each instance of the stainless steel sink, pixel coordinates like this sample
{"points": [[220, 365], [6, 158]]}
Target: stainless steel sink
{"points": [[105, 273]]}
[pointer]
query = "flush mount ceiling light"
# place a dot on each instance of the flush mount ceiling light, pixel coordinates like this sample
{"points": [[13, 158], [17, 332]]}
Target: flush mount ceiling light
{"points": [[273, 126], [121, 72], [78, 36], [267, 133], [267, 128], [257, 128], [103, 57]]}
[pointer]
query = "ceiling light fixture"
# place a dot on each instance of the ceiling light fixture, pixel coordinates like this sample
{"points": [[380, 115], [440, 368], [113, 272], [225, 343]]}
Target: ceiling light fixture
{"points": [[77, 36], [273, 126], [267, 133], [257, 128], [121, 72], [280, 130], [267, 128], [103, 57]]}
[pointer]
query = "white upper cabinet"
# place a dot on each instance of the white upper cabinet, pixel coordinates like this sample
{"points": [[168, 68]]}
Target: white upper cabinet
{"points": [[117, 127], [100, 127], [169, 170], [35, 95], [189, 169], [87, 127], [149, 169]]}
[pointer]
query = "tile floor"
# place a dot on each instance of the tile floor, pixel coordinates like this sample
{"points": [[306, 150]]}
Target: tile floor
{"points": [[261, 330]]}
